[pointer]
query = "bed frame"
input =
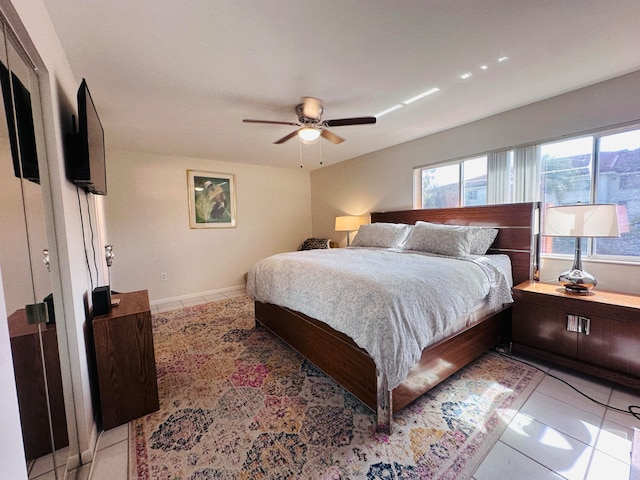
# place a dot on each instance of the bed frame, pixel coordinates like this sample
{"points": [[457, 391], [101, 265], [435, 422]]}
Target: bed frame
{"points": [[349, 365]]}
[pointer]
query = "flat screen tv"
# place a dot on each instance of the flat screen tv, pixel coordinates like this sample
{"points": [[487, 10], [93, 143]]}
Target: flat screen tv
{"points": [[87, 164], [22, 139]]}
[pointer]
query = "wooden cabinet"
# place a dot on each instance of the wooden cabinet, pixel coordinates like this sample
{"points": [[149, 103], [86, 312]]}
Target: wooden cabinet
{"points": [[598, 333], [30, 385], [125, 360]]}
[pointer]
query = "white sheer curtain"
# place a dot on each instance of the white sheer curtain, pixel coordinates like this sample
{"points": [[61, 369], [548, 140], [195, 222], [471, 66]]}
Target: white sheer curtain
{"points": [[498, 184], [526, 174]]}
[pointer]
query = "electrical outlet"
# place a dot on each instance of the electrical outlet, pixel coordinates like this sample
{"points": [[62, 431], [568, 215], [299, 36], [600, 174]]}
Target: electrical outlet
{"points": [[163, 276]]}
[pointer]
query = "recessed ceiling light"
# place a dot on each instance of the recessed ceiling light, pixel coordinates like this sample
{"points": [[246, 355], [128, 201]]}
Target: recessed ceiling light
{"points": [[502, 59], [422, 95], [389, 110], [464, 76], [483, 67]]}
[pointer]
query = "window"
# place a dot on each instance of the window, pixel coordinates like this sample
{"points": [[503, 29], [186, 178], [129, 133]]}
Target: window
{"points": [[565, 178], [602, 168], [618, 181], [474, 175], [444, 186], [595, 169], [440, 186]]}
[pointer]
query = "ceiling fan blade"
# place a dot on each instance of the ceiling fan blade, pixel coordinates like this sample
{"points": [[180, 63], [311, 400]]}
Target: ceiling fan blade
{"points": [[272, 122], [332, 137], [288, 137], [312, 107], [340, 122]]}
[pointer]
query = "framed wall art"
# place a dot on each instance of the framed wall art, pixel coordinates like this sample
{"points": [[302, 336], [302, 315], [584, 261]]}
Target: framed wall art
{"points": [[212, 199]]}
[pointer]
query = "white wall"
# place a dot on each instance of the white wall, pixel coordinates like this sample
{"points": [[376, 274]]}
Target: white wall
{"points": [[147, 219], [383, 180]]}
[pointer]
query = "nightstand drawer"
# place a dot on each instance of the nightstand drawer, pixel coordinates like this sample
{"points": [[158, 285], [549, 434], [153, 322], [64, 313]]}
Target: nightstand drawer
{"points": [[612, 344], [544, 328]]}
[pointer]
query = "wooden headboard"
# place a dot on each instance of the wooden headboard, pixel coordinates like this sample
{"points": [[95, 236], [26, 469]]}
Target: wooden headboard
{"points": [[518, 234]]}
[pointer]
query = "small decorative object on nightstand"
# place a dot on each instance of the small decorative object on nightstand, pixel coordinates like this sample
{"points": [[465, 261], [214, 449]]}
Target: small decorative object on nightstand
{"points": [[598, 334], [580, 220], [109, 256]]}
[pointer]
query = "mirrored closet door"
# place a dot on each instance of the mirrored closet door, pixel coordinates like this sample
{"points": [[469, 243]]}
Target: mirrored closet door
{"points": [[24, 264]]}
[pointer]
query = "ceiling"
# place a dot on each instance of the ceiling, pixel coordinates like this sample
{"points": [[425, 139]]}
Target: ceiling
{"points": [[178, 78]]}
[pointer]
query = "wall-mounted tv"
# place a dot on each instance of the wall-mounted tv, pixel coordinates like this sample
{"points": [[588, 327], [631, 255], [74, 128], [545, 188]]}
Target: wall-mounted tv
{"points": [[86, 164], [22, 139]]}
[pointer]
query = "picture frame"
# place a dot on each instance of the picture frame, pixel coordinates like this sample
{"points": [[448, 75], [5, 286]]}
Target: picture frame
{"points": [[212, 199]]}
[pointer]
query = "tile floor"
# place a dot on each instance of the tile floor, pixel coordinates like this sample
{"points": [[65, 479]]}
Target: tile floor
{"points": [[557, 434], [214, 297]]}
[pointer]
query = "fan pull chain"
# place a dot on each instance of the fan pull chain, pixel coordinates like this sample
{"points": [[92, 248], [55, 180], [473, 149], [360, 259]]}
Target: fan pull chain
{"points": [[301, 155], [300, 145]]}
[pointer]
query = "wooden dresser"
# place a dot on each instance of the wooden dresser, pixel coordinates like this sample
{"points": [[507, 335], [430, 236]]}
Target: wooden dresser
{"points": [[29, 373], [125, 360]]}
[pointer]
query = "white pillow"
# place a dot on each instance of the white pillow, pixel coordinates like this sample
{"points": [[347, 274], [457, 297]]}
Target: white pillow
{"points": [[482, 240], [383, 235], [450, 240]]}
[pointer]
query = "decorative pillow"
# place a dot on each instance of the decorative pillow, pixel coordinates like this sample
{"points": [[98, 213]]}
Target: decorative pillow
{"points": [[383, 235], [482, 240], [450, 240], [313, 243]]}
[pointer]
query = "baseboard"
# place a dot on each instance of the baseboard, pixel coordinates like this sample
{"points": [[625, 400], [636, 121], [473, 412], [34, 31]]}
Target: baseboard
{"points": [[223, 291]]}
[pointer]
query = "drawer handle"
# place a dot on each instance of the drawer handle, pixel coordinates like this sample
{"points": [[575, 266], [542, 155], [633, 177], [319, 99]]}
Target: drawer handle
{"points": [[576, 323]]}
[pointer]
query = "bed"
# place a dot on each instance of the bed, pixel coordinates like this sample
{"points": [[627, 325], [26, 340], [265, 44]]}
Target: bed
{"points": [[341, 358]]}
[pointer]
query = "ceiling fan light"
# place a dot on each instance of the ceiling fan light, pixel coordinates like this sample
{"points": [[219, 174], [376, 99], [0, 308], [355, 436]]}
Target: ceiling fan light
{"points": [[309, 134]]}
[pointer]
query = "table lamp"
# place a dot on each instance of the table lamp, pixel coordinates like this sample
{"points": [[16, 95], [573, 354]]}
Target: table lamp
{"points": [[349, 223], [580, 220]]}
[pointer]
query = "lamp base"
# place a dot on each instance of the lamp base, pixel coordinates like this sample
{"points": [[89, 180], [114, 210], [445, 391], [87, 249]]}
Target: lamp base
{"points": [[577, 281]]}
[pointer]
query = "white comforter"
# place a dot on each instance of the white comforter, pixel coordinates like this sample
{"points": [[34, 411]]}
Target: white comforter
{"points": [[391, 303]]}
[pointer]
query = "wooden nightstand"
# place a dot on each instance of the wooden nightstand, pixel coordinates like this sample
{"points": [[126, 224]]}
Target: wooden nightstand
{"points": [[125, 360], [598, 334]]}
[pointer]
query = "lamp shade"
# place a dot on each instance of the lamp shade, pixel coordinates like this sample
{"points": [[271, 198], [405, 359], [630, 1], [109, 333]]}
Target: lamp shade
{"points": [[350, 223], [581, 220]]}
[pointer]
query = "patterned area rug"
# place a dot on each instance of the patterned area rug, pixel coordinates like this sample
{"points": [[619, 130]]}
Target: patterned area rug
{"points": [[237, 403]]}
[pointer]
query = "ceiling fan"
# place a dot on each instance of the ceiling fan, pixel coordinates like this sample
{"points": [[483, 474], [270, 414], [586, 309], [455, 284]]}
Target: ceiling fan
{"points": [[311, 125]]}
